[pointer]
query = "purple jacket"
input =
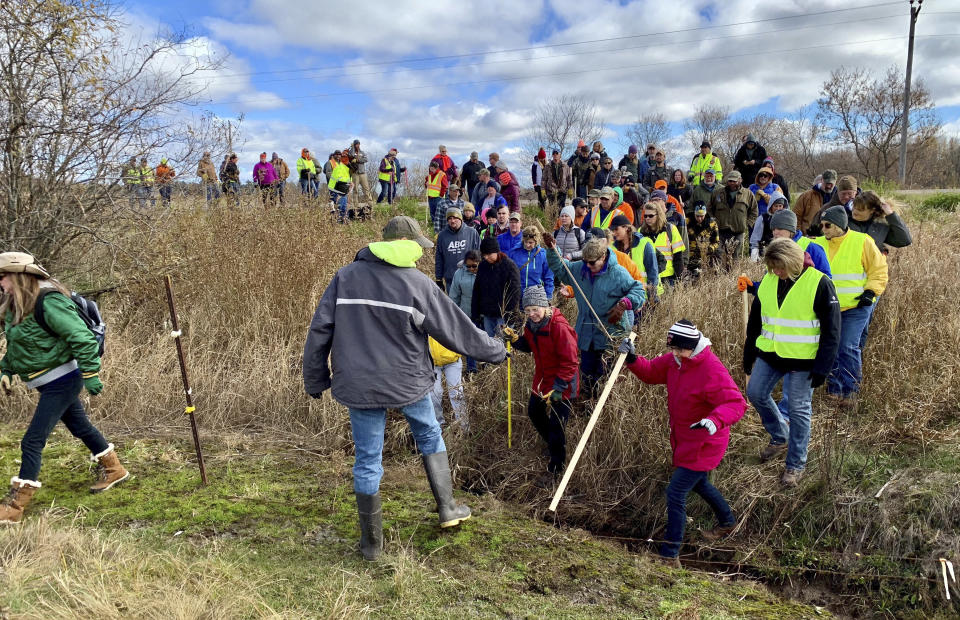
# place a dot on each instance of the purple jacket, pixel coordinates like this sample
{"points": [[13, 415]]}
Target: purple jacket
{"points": [[264, 174]]}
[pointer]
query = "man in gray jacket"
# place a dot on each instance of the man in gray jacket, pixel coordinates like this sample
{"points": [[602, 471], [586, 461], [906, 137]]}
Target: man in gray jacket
{"points": [[372, 323]]}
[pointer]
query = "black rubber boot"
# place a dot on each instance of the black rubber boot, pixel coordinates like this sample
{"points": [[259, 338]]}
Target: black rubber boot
{"points": [[438, 473], [371, 526]]}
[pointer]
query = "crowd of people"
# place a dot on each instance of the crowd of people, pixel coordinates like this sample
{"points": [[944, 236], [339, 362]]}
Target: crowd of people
{"points": [[497, 280]]}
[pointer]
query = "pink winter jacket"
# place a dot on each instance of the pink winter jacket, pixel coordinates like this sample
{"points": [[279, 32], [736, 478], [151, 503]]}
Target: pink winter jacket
{"points": [[699, 387]]}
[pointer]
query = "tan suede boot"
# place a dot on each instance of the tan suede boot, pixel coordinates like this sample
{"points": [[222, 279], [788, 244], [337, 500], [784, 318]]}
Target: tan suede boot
{"points": [[17, 500], [111, 471]]}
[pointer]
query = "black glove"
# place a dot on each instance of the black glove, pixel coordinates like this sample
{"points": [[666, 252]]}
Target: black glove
{"points": [[816, 379], [317, 395], [441, 284], [865, 299]]}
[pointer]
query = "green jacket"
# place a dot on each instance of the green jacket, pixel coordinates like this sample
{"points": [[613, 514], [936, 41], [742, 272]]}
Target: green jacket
{"points": [[32, 352]]}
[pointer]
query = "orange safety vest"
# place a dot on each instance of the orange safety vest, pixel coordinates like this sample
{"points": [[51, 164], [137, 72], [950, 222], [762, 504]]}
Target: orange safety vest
{"points": [[435, 184]]}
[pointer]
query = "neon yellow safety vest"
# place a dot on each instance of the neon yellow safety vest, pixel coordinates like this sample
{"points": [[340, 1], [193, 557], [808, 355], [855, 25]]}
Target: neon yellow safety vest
{"points": [[847, 266], [340, 173], [595, 218], [132, 176], [386, 175], [792, 330], [669, 247], [435, 184], [146, 175], [804, 242], [636, 255], [701, 164]]}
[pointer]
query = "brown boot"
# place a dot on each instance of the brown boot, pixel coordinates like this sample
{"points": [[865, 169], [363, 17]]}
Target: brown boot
{"points": [[17, 500], [772, 450], [718, 532], [111, 471]]}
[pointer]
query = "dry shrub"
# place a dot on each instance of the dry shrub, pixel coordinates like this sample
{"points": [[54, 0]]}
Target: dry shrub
{"points": [[51, 567]]}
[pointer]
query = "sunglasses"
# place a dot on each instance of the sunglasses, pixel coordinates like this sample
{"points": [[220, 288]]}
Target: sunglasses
{"points": [[593, 263], [649, 216], [472, 267], [604, 198], [526, 236], [826, 225]]}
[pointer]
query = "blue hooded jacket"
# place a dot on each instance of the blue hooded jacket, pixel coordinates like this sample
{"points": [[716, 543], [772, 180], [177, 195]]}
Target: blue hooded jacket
{"points": [[533, 268]]}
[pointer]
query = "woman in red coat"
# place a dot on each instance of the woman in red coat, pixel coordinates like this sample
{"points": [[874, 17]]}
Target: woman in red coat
{"points": [[703, 402], [553, 343]]}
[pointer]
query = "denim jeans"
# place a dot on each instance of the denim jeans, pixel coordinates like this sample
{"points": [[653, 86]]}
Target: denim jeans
{"points": [[367, 426], [387, 190], [491, 325], [453, 374], [798, 395], [549, 420], [866, 328], [340, 200], [847, 370], [59, 401], [213, 192], [434, 202], [681, 483], [165, 193], [309, 187]]}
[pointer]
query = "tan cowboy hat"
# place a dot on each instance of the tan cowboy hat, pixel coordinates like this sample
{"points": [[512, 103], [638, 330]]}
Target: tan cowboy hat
{"points": [[21, 262]]}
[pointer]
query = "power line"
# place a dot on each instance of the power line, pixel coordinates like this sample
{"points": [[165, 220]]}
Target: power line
{"points": [[568, 73], [584, 42], [579, 53]]}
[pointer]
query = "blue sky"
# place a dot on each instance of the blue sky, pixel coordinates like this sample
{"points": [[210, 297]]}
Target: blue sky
{"points": [[483, 99]]}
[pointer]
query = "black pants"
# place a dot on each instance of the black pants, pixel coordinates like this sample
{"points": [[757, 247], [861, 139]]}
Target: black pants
{"points": [[58, 402], [541, 199], [558, 197], [549, 419]]}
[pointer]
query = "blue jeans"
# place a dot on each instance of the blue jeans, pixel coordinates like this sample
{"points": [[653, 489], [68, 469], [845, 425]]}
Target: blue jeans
{"points": [[471, 364], [340, 200], [798, 395], [59, 401], [368, 426], [866, 328], [491, 325], [387, 190], [848, 369], [681, 483], [309, 187], [213, 192], [433, 202]]}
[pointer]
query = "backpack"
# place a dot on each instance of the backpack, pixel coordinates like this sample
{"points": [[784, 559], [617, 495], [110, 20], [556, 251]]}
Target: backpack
{"points": [[87, 309]]}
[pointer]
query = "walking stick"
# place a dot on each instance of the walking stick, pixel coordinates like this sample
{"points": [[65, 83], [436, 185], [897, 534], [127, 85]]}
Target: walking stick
{"points": [[589, 428], [190, 408], [509, 399], [746, 317]]}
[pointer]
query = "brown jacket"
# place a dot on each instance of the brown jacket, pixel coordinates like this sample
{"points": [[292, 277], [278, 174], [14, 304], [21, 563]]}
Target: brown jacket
{"points": [[283, 170], [807, 206], [206, 171], [738, 218], [555, 177]]}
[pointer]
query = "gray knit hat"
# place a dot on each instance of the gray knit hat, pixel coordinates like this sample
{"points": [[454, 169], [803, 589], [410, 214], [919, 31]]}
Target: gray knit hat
{"points": [[535, 296], [785, 219], [836, 215]]}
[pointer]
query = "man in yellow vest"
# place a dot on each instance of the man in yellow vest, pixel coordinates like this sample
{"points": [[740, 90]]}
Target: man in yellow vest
{"points": [[706, 160], [387, 175], [436, 184], [860, 277], [145, 189], [131, 180], [603, 214], [793, 334]]}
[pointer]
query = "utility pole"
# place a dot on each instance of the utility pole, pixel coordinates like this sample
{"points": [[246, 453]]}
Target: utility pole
{"points": [[914, 13], [230, 129]]}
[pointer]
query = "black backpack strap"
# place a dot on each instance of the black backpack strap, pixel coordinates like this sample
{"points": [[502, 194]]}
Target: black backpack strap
{"points": [[38, 313]]}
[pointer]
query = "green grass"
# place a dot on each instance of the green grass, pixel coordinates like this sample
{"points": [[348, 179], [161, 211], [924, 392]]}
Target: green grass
{"points": [[280, 521]]}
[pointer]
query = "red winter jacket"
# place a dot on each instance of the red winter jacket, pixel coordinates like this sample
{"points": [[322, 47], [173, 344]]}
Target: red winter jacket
{"points": [[555, 354], [699, 387]]}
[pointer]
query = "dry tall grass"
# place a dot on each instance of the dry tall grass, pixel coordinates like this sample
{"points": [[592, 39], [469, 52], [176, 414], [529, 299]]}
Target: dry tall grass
{"points": [[247, 283]]}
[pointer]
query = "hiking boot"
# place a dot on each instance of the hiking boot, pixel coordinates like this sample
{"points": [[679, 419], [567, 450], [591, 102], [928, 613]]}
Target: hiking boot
{"points": [[371, 525], [111, 471], [721, 531], [546, 480], [849, 403], [791, 477], [673, 562], [772, 450], [17, 499], [833, 398], [438, 474]]}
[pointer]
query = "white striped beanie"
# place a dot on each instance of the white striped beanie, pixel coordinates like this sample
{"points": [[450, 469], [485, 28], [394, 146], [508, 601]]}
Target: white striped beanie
{"points": [[684, 335]]}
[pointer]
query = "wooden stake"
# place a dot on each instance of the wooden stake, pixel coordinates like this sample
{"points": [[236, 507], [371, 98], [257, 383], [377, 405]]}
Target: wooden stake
{"points": [[589, 428], [746, 317], [509, 398], [186, 382]]}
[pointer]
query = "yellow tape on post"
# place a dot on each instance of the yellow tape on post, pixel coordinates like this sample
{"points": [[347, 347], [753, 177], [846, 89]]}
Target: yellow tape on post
{"points": [[189, 410]]}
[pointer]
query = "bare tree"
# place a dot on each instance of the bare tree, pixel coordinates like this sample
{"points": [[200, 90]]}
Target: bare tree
{"points": [[865, 114], [707, 123], [648, 129], [77, 99], [559, 123]]}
